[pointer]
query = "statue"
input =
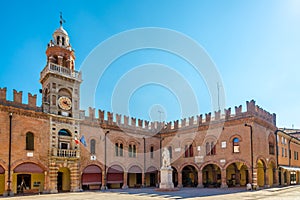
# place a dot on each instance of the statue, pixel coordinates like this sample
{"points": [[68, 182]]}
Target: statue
{"points": [[166, 158]]}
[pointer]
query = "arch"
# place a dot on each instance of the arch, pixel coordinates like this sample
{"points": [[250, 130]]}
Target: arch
{"points": [[65, 92], [187, 164], [115, 176], [271, 173], [64, 132], [151, 176], [260, 167], [211, 174], [209, 163], [63, 179], [27, 175], [235, 136], [135, 169], [189, 176], [247, 164], [92, 175], [237, 174]]}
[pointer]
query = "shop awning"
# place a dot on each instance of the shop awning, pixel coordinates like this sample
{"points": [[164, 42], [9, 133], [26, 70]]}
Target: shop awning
{"points": [[290, 168]]}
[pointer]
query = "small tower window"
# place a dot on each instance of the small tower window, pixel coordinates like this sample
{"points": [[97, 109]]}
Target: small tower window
{"points": [[57, 40], [151, 151], [29, 141], [236, 145], [93, 146], [63, 41]]}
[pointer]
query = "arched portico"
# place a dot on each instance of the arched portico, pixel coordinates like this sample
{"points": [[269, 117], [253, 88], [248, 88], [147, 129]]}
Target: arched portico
{"points": [[189, 176], [211, 175], [237, 174], [151, 176], [134, 178], [115, 177], [91, 177]]}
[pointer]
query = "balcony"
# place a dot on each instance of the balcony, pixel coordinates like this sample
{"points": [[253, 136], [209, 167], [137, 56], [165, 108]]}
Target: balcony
{"points": [[60, 70], [65, 153]]}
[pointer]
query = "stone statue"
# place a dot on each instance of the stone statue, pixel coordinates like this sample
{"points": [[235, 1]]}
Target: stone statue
{"points": [[166, 158]]}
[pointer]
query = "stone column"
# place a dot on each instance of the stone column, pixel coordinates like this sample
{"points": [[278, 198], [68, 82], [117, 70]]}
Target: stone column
{"points": [[237, 178], [104, 180], [223, 179], [266, 178], [179, 179], [200, 181], [254, 177], [75, 178], [125, 186], [288, 178], [46, 182], [143, 179], [275, 177]]}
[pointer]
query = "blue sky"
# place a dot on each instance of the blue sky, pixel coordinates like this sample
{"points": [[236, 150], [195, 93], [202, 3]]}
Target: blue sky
{"points": [[255, 46]]}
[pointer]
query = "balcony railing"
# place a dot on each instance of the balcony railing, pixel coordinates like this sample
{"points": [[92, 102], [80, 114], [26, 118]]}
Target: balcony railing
{"points": [[65, 153], [57, 69]]}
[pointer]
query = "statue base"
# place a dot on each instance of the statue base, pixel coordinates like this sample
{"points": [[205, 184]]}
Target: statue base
{"points": [[166, 181]]}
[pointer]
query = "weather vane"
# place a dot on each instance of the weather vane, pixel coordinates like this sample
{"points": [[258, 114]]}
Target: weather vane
{"points": [[61, 21]]}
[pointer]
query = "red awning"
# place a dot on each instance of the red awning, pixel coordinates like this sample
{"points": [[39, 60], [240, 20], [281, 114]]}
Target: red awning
{"points": [[91, 179], [29, 168], [115, 178]]}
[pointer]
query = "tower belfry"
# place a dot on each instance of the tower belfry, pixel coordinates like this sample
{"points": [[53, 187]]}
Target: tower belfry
{"points": [[60, 80]]}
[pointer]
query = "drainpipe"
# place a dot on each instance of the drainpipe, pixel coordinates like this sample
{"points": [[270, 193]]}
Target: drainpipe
{"points": [[144, 161], [105, 173], [290, 152], [276, 142], [9, 193], [251, 151]]}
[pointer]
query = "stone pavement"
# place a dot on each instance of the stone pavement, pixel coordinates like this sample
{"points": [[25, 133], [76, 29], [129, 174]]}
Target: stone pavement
{"points": [[291, 192]]}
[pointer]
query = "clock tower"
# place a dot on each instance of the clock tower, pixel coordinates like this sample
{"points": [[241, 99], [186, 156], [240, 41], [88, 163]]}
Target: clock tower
{"points": [[60, 81]]}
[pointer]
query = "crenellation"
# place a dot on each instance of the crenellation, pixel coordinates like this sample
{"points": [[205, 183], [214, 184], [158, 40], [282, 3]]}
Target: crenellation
{"points": [[227, 113], [31, 100], [91, 113], [218, 115], [101, 115], [140, 123], [207, 117], [3, 94], [126, 120], [146, 124], [109, 118], [118, 119], [183, 122], [238, 110], [133, 121], [199, 119], [18, 97], [176, 124], [191, 121], [250, 106]]}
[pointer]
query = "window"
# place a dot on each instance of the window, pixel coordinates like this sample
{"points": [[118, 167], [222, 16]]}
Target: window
{"points": [[132, 150], [282, 151], [29, 141], [188, 151], [236, 145], [63, 41], [93, 146], [271, 148], [210, 148], [151, 151], [57, 40], [170, 151], [290, 154], [285, 152], [119, 149]]}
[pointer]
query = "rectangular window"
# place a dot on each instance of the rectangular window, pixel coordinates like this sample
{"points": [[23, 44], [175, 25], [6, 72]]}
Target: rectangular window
{"points": [[151, 152], [188, 151], [130, 150], [117, 149], [271, 149], [282, 151], [285, 152], [121, 150]]}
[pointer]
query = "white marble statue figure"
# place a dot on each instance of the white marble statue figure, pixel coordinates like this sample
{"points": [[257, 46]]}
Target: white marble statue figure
{"points": [[166, 158]]}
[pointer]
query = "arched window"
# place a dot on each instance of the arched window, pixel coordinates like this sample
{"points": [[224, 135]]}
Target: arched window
{"points": [[132, 150], [29, 141], [63, 41], [170, 151], [151, 151], [236, 145], [57, 40], [119, 149], [210, 148], [64, 132], [93, 146], [189, 151]]}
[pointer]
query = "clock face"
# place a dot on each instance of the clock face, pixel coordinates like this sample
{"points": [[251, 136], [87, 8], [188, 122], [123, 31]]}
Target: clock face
{"points": [[65, 103]]}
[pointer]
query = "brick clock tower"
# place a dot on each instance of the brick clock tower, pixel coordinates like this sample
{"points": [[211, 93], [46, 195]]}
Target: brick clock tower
{"points": [[60, 100]]}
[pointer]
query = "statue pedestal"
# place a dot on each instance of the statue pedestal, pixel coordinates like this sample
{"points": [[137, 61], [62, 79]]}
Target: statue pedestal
{"points": [[166, 181]]}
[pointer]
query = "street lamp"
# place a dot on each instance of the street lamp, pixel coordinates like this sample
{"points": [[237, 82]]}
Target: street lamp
{"points": [[251, 146]]}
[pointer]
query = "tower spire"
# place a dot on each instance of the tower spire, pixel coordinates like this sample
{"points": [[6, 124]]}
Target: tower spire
{"points": [[61, 21]]}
